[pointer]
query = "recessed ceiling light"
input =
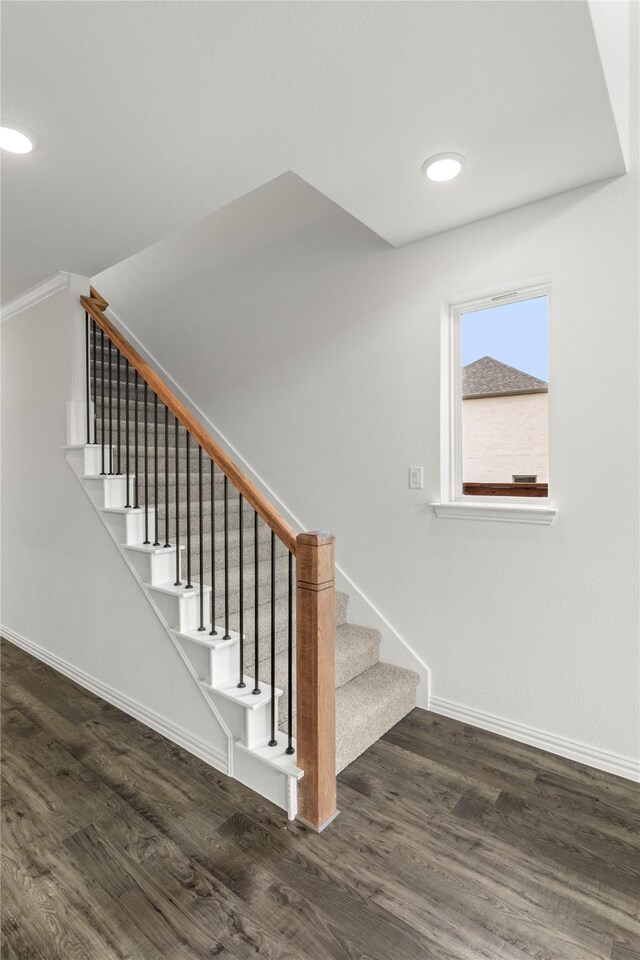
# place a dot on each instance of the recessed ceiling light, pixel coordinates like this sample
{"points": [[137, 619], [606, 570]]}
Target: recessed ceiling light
{"points": [[442, 167], [15, 140]]}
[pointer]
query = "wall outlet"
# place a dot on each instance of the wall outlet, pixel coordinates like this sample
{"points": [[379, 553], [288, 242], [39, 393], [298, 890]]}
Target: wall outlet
{"points": [[416, 478]]}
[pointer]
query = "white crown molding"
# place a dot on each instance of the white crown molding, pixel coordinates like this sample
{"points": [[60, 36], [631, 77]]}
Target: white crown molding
{"points": [[172, 731], [47, 288], [562, 746]]}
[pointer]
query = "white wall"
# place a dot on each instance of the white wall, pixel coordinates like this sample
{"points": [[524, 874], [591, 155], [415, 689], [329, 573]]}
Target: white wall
{"points": [[314, 347], [611, 26], [65, 587]]}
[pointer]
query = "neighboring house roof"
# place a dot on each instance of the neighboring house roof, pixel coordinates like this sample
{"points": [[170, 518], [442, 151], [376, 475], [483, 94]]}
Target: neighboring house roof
{"points": [[488, 377]]}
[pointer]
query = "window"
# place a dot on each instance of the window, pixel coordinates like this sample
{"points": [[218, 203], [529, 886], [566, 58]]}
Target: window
{"points": [[495, 415]]}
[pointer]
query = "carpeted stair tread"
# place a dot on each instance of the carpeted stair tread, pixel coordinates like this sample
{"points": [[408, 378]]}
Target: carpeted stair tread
{"points": [[357, 650], [280, 589], [368, 706], [264, 577], [264, 550], [233, 517], [182, 441], [233, 535], [264, 621]]}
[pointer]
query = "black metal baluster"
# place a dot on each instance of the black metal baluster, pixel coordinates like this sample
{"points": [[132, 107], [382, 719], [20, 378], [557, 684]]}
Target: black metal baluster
{"points": [[213, 632], [156, 542], [166, 476], [201, 532], [273, 742], [227, 635], [241, 588], [87, 335], [126, 430], [94, 347], [256, 601], [136, 501], [146, 466], [110, 412], [119, 471], [177, 494], [102, 431], [188, 584], [290, 749]]}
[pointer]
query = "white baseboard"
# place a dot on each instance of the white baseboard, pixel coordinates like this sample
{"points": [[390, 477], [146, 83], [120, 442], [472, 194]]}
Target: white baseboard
{"points": [[562, 746], [178, 735]]}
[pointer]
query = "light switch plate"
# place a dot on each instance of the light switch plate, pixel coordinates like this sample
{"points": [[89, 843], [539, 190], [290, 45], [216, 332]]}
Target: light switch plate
{"points": [[416, 478]]}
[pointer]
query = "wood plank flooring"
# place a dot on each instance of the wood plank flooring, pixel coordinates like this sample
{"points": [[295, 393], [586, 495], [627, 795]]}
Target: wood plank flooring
{"points": [[451, 844]]}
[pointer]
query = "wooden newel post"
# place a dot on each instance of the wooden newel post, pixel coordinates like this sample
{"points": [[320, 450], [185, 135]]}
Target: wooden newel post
{"points": [[316, 677]]}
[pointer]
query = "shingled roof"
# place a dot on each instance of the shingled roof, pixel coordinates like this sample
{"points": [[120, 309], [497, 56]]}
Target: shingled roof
{"points": [[488, 377]]}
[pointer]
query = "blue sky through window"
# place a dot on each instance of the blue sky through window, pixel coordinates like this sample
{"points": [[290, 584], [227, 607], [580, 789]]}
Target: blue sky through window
{"points": [[514, 333]]}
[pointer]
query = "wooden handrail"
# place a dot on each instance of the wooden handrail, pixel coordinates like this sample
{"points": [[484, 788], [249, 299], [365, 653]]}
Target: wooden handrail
{"points": [[95, 304]]}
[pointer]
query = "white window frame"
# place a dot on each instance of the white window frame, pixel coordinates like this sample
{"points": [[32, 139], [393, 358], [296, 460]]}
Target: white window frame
{"points": [[453, 502]]}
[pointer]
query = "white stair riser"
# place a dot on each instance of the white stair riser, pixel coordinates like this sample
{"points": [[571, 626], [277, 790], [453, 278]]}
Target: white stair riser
{"points": [[87, 460], [181, 612], [267, 781], [251, 726], [128, 527], [107, 491], [258, 728], [223, 663], [153, 568], [212, 664]]}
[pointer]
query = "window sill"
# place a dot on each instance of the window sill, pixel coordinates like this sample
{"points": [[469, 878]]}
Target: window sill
{"points": [[504, 512]]}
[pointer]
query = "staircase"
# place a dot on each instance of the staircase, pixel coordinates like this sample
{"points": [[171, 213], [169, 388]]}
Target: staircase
{"points": [[211, 560]]}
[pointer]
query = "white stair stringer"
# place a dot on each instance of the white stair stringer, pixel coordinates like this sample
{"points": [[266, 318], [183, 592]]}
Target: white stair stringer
{"points": [[242, 715], [267, 770]]}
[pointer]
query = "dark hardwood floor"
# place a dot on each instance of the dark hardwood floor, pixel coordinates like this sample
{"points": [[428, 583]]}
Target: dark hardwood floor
{"points": [[452, 844]]}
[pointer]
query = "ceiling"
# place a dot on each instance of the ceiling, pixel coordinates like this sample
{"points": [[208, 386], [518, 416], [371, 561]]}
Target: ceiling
{"points": [[150, 116]]}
